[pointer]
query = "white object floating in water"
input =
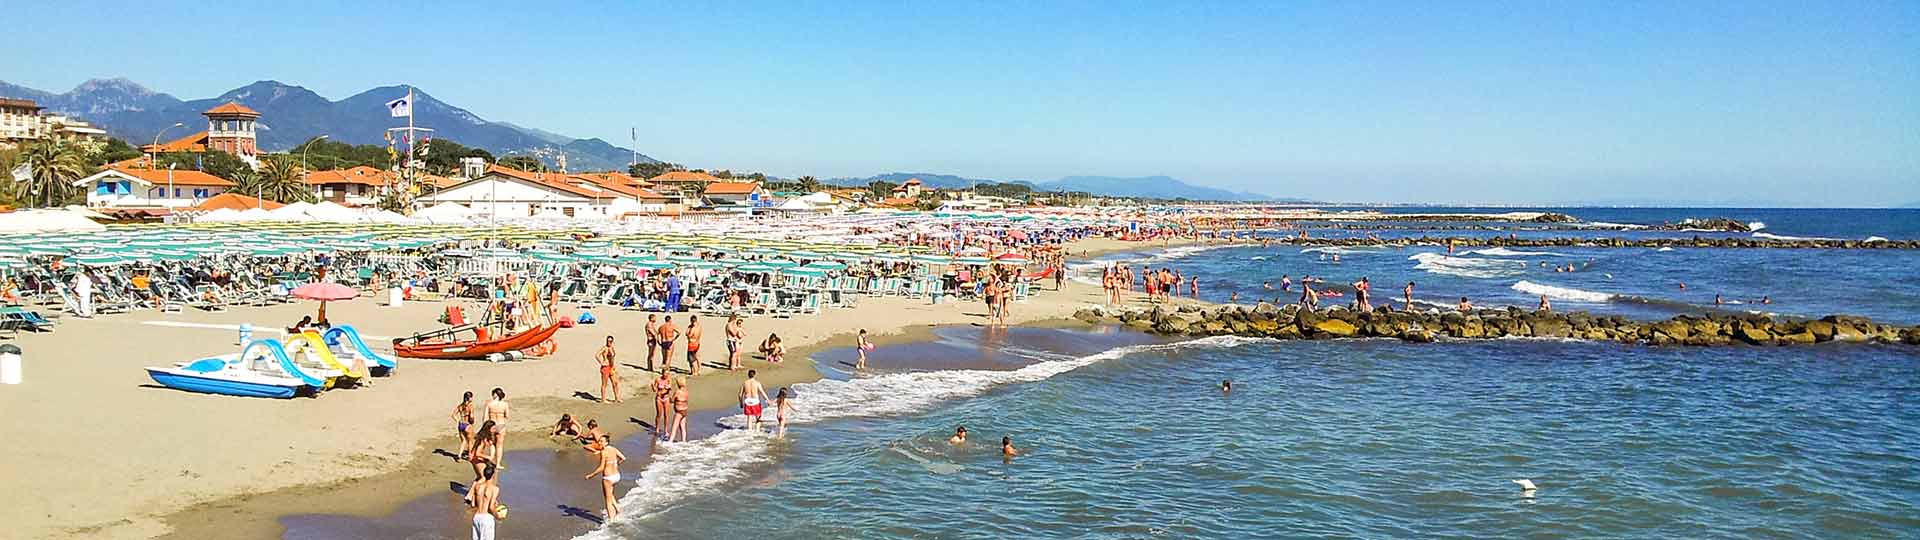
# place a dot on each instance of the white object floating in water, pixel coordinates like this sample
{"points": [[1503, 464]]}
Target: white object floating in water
{"points": [[1526, 486]]}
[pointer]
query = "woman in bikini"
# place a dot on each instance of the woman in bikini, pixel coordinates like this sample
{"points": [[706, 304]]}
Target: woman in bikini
{"points": [[608, 471], [681, 399], [485, 455], [782, 406], [662, 404], [462, 419]]}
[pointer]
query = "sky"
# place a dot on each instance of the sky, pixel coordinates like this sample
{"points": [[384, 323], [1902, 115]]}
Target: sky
{"points": [[1783, 103]]}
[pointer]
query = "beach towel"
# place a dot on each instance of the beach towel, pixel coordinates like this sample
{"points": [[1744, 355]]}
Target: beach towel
{"points": [[585, 318]]}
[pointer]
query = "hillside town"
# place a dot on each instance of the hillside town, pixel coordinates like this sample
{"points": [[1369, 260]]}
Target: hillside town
{"points": [[181, 180]]}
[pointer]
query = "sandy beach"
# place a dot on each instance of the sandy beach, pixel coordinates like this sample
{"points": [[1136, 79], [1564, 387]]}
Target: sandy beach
{"points": [[159, 461]]}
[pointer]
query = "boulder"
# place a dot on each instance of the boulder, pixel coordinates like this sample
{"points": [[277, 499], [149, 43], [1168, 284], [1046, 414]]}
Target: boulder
{"points": [[1822, 330], [1551, 327], [1754, 335], [1673, 329], [1804, 337], [1172, 325], [1337, 328]]}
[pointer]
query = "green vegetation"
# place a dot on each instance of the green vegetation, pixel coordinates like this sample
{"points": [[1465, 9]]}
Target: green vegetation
{"points": [[53, 164], [279, 179]]}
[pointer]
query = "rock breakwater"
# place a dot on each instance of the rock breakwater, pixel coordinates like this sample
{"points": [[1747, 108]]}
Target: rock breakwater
{"points": [[1293, 322]]}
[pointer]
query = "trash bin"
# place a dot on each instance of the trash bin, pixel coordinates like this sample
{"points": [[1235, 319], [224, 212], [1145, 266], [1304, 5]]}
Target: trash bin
{"points": [[9, 364], [246, 333], [394, 297]]}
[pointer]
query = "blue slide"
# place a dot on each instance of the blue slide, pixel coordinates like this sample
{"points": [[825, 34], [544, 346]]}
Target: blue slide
{"points": [[333, 337]]}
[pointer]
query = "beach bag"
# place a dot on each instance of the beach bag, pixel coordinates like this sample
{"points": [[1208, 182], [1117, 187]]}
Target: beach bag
{"points": [[585, 318]]}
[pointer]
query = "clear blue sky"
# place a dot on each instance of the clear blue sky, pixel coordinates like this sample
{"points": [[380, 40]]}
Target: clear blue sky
{"points": [[1796, 102]]}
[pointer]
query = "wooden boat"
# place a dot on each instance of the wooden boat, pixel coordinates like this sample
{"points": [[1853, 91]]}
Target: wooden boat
{"points": [[442, 345]]}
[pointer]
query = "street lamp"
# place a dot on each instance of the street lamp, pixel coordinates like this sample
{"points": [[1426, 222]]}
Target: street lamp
{"points": [[170, 192], [156, 143], [304, 169]]}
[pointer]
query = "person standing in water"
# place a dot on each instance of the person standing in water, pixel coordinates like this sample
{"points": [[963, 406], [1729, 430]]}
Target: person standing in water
{"points": [[782, 408], [1007, 451], [694, 333], [753, 398], [662, 403], [861, 346], [485, 457], [609, 473], [959, 436], [607, 376], [682, 397], [486, 502], [736, 333]]}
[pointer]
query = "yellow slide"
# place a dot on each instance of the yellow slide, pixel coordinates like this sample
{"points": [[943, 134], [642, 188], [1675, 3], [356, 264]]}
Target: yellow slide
{"points": [[319, 348]]}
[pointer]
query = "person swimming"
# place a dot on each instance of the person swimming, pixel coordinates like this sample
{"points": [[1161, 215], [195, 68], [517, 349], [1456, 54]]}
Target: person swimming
{"points": [[959, 436], [1226, 386]]}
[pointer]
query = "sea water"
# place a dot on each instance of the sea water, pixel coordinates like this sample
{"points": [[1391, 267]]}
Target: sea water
{"points": [[1349, 439]]}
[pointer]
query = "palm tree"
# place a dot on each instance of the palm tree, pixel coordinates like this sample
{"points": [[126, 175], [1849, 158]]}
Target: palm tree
{"points": [[52, 164], [279, 180], [809, 184]]}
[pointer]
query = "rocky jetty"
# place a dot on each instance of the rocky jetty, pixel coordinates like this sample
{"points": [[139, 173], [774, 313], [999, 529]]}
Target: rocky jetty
{"points": [[1693, 242], [1293, 322]]}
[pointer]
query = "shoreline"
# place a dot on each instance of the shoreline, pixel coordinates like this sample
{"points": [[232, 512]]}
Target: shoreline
{"points": [[305, 456]]}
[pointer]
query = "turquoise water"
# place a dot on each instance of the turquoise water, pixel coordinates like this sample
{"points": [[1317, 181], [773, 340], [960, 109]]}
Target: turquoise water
{"points": [[1371, 439]]}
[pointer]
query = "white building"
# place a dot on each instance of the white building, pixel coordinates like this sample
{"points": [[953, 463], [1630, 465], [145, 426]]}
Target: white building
{"points": [[131, 184]]}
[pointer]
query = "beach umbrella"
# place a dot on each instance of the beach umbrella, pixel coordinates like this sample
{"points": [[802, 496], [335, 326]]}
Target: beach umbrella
{"points": [[1011, 258], [825, 265], [972, 260], [324, 292], [755, 269], [101, 259]]}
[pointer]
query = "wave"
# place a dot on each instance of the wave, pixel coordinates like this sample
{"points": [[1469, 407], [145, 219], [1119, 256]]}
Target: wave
{"points": [[1467, 267], [1770, 236], [705, 466], [1757, 225], [1606, 225], [1563, 293], [1664, 249], [1504, 252], [1872, 239], [1258, 258], [1340, 250], [1183, 252]]}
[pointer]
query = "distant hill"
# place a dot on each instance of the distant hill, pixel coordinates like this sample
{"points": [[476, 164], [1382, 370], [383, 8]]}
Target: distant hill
{"points": [[932, 180], [291, 115], [1158, 187]]}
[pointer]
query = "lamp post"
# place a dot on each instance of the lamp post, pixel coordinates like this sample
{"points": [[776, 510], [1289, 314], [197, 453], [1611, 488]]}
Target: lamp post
{"points": [[304, 169], [156, 143], [170, 193]]}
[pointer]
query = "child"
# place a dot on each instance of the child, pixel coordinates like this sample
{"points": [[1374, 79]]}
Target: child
{"points": [[863, 346], [781, 408]]}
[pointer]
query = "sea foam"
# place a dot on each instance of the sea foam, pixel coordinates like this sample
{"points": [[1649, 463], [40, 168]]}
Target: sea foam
{"points": [[1504, 252], [705, 466], [1563, 293], [1467, 267]]}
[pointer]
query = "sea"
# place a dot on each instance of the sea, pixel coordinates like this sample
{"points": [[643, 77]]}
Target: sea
{"points": [[1124, 435]]}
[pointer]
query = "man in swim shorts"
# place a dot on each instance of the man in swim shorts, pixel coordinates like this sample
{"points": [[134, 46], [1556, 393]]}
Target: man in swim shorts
{"points": [[694, 332], [607, 376], [753, 398]]}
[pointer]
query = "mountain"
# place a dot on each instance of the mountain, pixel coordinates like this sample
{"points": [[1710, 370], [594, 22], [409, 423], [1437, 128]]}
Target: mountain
{"points": [[291, 115], [1157, 187], [932, 180]]}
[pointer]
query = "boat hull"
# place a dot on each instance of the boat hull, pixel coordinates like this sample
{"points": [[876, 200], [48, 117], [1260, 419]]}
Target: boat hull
{"points": [[222, 386], [456, 350]]}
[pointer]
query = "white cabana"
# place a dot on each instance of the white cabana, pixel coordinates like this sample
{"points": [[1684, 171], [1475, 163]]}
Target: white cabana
{"points": [[47, 220], [445, 212]]}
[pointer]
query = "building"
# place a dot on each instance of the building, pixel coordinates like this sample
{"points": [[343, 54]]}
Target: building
{"points": [[21, 120], [508, 193], [909, 189], [357, 186], [136, 184], [737, 196], [230, 129]]}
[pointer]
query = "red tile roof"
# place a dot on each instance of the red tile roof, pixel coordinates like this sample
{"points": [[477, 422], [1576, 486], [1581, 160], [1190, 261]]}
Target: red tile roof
{"points": [[194, 143], [911, 181], [899, 202], [683, 176], [231, 108], [553, 180], [235, 201], [732, 188], [180, 177], [362, 175]]}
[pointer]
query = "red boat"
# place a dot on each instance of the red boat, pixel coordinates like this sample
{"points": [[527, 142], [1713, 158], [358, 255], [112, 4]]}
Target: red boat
{"points": [[442, 345]]}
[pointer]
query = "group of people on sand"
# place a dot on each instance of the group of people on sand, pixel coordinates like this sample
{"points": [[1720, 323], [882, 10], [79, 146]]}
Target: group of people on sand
{"points": [[1166, 283], [482, 446]]}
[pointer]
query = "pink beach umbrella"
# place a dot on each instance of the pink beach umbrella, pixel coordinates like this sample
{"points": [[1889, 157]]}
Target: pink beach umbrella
{"points": [[1011, 258], [324, 292]]}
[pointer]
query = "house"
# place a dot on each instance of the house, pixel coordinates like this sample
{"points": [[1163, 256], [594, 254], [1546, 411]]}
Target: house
{"points": [[737, 196], [135, 183], [357, 186], [235, 201], [909, 189], [504, 192], [230, 129]]}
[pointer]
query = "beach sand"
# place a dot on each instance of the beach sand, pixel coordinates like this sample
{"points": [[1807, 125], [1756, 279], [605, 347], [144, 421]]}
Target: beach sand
{"points": [[106, 453]]}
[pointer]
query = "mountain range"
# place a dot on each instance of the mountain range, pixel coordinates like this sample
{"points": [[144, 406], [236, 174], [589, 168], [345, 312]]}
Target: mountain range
{"points": [[291, 115], [1157, 187]]}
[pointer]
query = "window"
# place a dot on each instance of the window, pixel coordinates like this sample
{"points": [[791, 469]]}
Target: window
{"points": [[176, 193], [103, 188], [200, 193]]}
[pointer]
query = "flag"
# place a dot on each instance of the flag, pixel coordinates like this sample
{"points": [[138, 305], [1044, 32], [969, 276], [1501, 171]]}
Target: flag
{"points": [[401, 107], [23, 173]]}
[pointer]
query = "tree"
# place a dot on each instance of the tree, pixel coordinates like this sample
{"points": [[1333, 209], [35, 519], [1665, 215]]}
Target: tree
{"points": [[650, 170], [881, 188], [53, 164], [810, 184], [113, 150], [279, 180], [524, 163], [216, 163]]}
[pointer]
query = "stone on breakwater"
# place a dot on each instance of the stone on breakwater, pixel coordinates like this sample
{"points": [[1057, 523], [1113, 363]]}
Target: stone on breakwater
{"points": [[1293, 322]]}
